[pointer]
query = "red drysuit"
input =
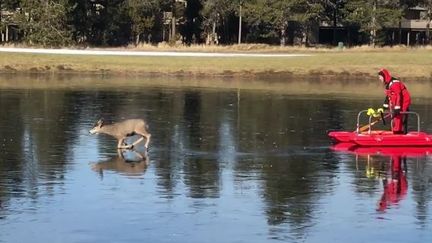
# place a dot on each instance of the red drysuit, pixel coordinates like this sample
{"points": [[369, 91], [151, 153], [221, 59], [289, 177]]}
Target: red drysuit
{"points": [[398, 99]]}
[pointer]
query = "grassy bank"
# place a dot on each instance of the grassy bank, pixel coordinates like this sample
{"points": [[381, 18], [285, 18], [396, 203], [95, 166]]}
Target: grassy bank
{"points": [[358, 62]]}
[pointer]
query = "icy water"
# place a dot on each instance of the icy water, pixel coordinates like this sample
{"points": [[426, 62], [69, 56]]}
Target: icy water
{"points": [[224, 165]]}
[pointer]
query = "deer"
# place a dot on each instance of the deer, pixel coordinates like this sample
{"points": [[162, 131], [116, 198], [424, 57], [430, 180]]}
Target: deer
{"points": [[122, 130]]}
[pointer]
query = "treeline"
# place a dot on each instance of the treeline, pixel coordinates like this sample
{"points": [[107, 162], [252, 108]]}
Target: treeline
{"points": [[123, 22]]}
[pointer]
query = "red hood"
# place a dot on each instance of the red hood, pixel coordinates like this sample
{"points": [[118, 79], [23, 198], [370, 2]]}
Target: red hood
{"points": [[386, 74]]}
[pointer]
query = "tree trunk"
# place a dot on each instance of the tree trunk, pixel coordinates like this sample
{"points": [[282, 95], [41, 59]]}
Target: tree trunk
{"points": [[408, 37], [373, 27], [283, 31], [214, 37], [211, 36], [283, 37], [400, 33], [137, 39], [1, 29], [173, 34], [306, 36], [429, 13], [240, 25], [334, 26]]}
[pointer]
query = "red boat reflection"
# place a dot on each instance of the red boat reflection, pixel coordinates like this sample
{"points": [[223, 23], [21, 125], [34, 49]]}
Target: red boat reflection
{"points": [[392, 173], [384, 151]]}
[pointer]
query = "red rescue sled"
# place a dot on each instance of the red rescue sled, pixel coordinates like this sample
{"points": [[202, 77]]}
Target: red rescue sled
{"points": [[382, 138]]}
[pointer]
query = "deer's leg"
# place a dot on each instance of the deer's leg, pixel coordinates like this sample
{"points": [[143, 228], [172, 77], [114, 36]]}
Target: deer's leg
{"points": [[148, 135], [120, 144], [143, 157], [136, 142], [120, 153], [145, 135]]}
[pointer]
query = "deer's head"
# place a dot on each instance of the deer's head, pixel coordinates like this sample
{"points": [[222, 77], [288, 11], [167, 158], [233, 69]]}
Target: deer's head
{"points": [[97, 127]]}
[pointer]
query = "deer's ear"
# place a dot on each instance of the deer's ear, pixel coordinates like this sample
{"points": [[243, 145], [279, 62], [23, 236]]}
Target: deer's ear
{"points": [[100, 122]]}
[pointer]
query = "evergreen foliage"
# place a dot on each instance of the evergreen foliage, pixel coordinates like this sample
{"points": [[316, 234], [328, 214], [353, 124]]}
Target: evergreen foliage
{"points": [[122, 22]]}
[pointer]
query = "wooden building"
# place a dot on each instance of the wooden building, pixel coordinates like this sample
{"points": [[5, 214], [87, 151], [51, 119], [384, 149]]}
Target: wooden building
{"points": [[9, 30], [412, 30]]}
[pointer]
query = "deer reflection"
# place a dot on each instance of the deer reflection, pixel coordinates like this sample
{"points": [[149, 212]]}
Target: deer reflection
{"points": [[127, 162]]}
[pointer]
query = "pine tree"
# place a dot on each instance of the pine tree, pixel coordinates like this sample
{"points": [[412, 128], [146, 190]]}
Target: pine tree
{"points": [[143, 15], [44, 22], [372, 16]]}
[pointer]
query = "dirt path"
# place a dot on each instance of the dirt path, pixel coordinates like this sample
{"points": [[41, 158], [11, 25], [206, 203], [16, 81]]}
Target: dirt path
{"points": [[142, 53]]}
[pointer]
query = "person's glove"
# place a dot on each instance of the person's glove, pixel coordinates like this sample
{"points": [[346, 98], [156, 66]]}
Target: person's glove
{"points": [[370, 112], [396, 112], [386, 103]]}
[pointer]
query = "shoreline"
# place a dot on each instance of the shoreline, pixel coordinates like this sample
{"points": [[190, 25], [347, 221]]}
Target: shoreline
{"points": [[310, 86], [230, 75], [269, 75]]}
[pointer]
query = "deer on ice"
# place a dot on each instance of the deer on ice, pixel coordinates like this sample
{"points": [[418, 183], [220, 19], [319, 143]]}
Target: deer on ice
{"points": [[122, 130]]}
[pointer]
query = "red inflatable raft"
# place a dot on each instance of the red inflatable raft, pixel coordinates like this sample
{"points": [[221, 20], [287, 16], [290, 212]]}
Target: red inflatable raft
{"points": [[382, 138]]}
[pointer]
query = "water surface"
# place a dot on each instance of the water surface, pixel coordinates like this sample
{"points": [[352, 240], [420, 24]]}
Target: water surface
{"points": [[225, 165]]}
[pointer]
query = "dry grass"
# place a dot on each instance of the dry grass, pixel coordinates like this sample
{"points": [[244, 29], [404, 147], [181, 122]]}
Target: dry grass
{"points": [[255, 48], [264, 48], [244, 48], [362, 62]]}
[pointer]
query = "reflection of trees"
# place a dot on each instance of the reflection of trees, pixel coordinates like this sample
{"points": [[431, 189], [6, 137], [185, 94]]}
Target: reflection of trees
{"points": [[366, 171], [273, 122], [333, 110], [11, 135], [291, 188], [421, 172], [38, 150], [291, 182], [192, 116], [186, 123], [201, 175], [168, 110], [288, 196]]}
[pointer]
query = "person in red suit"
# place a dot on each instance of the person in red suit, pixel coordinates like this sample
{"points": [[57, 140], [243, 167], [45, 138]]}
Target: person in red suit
{"points": [[398, 99]]}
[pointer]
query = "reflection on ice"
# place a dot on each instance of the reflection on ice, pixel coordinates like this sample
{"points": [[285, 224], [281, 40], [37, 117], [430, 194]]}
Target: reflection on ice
{"points": [[128, 162]]}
